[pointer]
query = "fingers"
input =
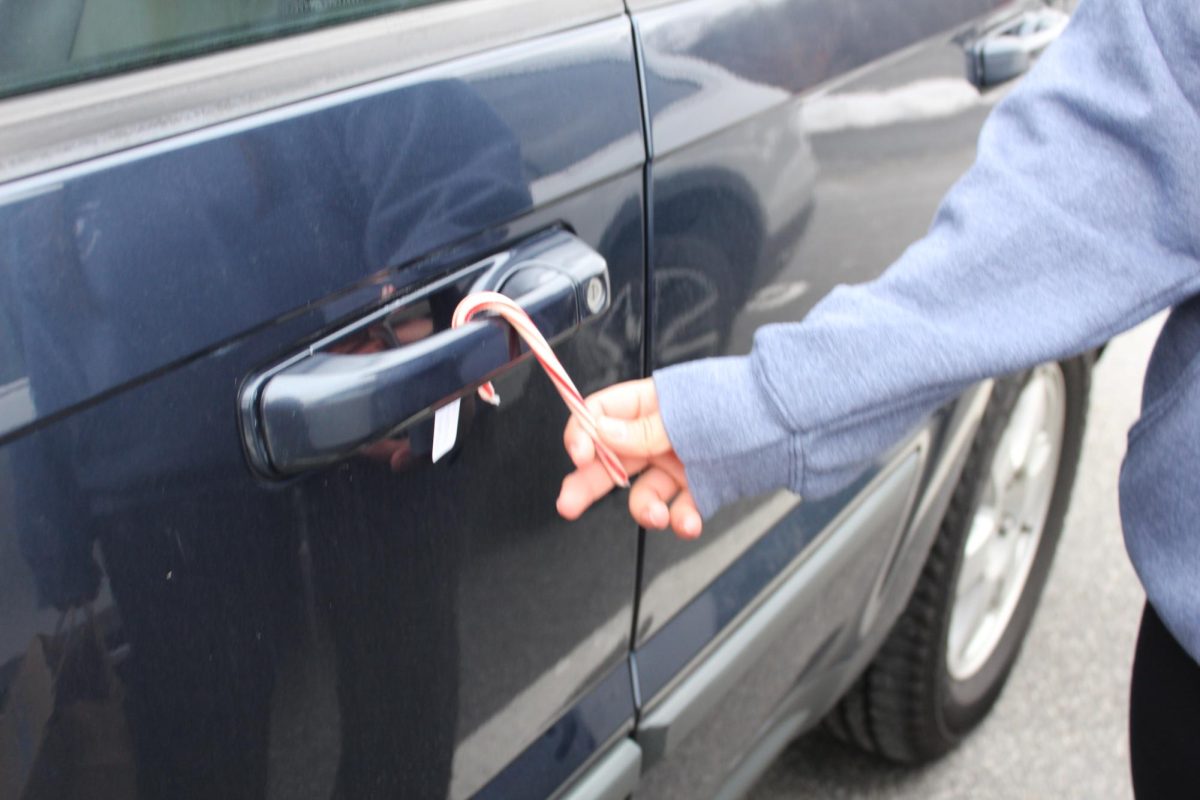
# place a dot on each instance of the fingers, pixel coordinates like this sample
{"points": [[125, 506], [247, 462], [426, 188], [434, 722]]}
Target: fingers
{"points": [[649, 496], [628, 421], [578, 444], [583, 487], [662, 484], [633, 401], [684, 514], [685, 517], [628, 400], [643, 437], [659, 497]]}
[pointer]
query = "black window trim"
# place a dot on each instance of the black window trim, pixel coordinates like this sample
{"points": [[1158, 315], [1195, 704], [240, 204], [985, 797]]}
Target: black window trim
{"points": [[74, 123]]}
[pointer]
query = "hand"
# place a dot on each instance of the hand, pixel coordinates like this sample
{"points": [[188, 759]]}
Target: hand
{"points": [[629, 423]]}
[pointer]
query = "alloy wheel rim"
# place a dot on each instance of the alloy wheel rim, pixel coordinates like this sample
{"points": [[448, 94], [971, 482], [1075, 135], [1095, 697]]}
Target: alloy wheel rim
{"points": [[1002, 542]]}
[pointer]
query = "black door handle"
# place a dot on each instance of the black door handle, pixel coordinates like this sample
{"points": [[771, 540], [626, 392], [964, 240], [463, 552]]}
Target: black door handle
{"points": [[320, 406]]}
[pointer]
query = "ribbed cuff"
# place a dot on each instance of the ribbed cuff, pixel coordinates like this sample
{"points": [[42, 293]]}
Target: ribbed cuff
{"points": [[726, 431]]}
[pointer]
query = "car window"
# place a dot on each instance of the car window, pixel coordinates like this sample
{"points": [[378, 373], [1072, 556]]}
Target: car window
{"points": [[50, 43]]}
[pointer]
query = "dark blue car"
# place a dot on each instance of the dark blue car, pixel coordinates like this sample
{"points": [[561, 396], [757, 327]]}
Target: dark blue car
{"points": [[232, 235]]}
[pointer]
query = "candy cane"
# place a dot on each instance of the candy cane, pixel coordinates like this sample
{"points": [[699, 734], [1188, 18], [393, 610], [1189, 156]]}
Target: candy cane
{"points": [[497, 303]]}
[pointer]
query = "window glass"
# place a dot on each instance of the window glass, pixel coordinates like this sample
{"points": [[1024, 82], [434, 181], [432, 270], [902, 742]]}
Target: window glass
{"points": [[50, 42]]}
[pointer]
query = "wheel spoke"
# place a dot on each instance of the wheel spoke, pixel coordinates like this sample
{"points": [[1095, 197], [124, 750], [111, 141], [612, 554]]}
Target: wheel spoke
{"points": [[1039, 455], [970, 608], [1000, 555], [973, 571], [1007, 563], [1026, 423], [983, 528], [1040, 480]]}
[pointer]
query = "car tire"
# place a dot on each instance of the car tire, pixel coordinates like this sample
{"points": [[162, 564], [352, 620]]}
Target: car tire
{"points": [[949, 654]]}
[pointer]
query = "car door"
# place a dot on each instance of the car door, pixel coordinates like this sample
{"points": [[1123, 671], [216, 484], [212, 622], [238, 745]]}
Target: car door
{"points": [[231, 239], [795, 145]]}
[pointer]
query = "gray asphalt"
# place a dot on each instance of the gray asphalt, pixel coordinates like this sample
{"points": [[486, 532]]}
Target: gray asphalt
{"points": [[1059, 729]]}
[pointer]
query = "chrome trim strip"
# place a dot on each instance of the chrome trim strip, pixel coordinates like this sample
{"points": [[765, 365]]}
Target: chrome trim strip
{"points": [[645, 5], [613, 777], [961, 428]]}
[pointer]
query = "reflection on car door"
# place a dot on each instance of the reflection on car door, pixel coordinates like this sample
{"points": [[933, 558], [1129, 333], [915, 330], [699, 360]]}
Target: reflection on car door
{"points": [[173, 624]]}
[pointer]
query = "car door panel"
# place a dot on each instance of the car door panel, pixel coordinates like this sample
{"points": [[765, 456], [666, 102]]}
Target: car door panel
{"points": [[769, 249], [846, 552], [384, 626], [795, 146]]}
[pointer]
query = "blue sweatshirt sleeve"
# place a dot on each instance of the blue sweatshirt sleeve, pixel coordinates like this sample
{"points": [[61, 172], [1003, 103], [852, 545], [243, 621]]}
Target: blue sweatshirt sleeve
{"points": [[1079, 218]]}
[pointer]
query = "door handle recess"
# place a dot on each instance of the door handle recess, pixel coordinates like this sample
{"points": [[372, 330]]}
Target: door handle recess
{"points": [[321, 406]]}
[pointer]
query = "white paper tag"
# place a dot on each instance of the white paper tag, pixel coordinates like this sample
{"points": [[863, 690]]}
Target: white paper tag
{"points": [[445, 428]]}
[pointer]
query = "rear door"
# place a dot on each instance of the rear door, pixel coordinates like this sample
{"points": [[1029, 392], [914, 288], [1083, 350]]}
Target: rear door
{"points": [[795, 145], [208, 592]]}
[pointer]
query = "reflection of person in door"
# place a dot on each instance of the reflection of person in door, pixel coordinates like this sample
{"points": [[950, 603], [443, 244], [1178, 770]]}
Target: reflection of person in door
{"points": [[206, 566]]}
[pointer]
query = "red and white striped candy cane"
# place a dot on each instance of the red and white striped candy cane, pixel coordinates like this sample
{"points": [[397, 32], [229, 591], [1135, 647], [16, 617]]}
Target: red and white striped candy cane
{"points": [[478, 302]]}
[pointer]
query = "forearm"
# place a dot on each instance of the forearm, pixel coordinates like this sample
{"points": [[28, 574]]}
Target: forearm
{"points": [[1075, 222]]}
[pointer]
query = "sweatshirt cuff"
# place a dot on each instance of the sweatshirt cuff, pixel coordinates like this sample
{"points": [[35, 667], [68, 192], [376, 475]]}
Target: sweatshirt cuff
{"points": [[726, 431]]}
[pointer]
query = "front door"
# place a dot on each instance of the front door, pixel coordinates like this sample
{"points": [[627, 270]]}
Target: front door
{"points": [[179, 619]]}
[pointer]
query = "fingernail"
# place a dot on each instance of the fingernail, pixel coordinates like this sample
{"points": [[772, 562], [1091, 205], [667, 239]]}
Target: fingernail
{"points": [[578, 450], [659, 516], [691, 526], [612, 429]]}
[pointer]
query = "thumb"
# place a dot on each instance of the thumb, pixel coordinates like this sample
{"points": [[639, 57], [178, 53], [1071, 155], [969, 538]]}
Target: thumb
{"points": [[644, 436]]}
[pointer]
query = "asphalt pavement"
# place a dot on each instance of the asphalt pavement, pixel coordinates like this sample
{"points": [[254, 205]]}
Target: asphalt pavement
{"points": [[1059, 729]]}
